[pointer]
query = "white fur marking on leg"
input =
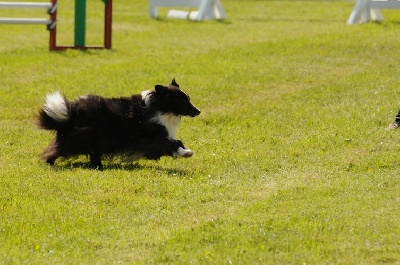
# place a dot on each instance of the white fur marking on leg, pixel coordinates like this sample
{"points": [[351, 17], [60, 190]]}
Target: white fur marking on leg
{"points": [[393, 126], [56, 107], [183, 152]]}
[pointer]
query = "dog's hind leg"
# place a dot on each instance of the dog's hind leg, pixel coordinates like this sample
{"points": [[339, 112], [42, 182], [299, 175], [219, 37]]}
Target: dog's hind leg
{"points": [[51, 160], [95, 160], [51, 153]]}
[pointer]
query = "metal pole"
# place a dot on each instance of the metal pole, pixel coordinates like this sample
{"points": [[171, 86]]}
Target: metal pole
{"points": [[25, 21], [29, 5]]}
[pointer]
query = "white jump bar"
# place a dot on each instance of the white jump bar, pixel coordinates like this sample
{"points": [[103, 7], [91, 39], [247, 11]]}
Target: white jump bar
{"points": [[25, 5], [25, 21], [384, 4]]}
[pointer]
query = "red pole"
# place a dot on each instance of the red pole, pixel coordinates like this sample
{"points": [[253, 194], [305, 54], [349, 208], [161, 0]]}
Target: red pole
{"points": [[107, 24], [53, 32]]}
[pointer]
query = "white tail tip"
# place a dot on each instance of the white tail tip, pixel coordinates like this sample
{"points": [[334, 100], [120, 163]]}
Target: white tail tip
{"points": [[56, 107]]}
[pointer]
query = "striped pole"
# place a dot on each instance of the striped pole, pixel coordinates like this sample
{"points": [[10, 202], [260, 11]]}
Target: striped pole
{"points": [[29, 5], [25, 21]]}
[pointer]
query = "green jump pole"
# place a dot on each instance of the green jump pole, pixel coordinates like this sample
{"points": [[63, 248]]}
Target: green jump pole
{"points": [[80, 22]]}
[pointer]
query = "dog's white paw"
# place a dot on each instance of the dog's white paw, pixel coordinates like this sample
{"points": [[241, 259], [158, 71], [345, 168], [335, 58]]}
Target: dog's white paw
{"points": [[183, 152], [393, 126], [188, 153]]}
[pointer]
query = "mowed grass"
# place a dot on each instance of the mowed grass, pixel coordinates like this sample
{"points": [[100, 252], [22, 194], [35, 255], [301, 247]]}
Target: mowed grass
{"points": [[293, 160]]}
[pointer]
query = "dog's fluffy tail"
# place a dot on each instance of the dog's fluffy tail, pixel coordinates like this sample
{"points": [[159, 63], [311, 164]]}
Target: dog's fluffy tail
{"points": [[55, 112]]}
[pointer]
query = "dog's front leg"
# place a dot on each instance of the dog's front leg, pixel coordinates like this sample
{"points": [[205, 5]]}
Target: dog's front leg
{"points": [[95, 160], [164, 146]]}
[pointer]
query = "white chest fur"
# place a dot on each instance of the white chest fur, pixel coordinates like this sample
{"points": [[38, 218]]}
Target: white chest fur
{"points": [[170, 121]]}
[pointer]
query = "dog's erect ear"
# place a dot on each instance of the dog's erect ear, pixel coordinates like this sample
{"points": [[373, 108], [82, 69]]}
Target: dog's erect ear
{"points": [[174, 83], [161, 89]]}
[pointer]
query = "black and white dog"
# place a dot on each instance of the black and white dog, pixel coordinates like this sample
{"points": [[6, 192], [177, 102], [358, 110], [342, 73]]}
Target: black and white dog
{"points": [[140, 126]]}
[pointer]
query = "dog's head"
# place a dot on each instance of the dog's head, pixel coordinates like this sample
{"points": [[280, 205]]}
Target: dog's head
{"points": [[171, 99]]}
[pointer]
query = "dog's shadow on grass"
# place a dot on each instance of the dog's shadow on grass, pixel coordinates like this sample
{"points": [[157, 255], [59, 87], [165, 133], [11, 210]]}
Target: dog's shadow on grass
{"points": [[120, 166]]}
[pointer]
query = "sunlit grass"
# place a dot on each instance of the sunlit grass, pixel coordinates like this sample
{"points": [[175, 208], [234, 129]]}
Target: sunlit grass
{"points": [[293, 160]]}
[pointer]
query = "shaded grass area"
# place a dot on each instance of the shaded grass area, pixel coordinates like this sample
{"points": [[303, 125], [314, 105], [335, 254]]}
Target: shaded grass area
{"points": [[293, 161]]}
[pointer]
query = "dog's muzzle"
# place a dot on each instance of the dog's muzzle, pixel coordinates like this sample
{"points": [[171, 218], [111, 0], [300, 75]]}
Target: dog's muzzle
{"points": [[195, 112]]}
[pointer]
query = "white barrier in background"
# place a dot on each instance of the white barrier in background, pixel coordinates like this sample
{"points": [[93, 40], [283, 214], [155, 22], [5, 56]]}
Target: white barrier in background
{"points": [[28, 5], [207, 9], [366, 10], [25, 21]]}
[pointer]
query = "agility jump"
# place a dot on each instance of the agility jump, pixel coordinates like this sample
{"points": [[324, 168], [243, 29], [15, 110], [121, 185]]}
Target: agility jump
{"points": [[80, 22], [207, 9], [367, 10]]}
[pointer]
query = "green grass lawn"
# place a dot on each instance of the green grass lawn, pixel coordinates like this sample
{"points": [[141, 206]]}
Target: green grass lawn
{"points": [[293, 161]]}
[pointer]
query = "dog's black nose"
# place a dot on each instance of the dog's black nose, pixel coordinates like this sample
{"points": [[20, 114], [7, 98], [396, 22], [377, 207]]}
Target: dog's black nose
{"points": [[190, 110], [197, 112]]}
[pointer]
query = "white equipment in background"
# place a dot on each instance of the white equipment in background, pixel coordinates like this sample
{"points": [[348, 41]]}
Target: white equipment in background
{"points": [[207, 9], [366, 10]]}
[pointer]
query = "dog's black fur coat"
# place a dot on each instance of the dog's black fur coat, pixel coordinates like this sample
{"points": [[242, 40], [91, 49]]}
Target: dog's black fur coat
{"points": [[142, 125]]}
